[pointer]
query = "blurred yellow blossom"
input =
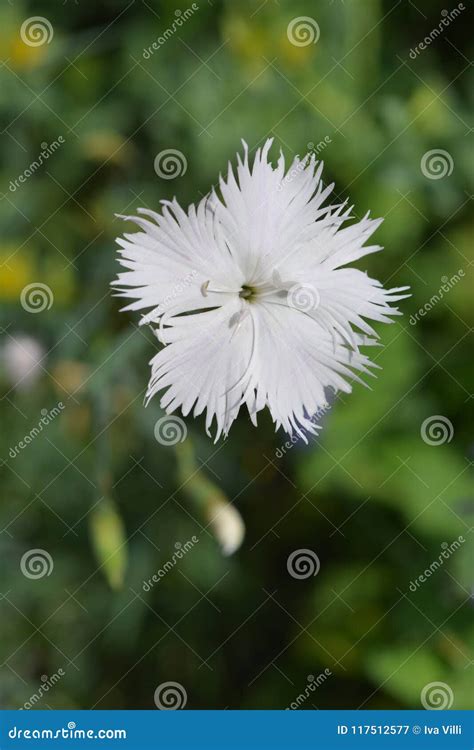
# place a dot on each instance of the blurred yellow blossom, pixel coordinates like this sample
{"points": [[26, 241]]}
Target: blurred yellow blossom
{"points": [[16, 271], [107, 145]]}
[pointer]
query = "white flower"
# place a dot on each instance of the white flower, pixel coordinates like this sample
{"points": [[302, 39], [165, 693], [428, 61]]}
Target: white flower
{"points": [[21, 358], [250, 297]]}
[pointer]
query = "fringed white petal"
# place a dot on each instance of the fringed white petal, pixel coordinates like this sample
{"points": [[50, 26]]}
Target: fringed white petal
{"points": [[216, 283]]}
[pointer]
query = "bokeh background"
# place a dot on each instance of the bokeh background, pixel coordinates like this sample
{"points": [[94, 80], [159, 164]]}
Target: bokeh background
{"points": [[110, 504]]}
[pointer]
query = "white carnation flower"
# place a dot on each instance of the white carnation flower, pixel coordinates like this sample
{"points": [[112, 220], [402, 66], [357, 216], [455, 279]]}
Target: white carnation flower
{"points": [[249, 295]]}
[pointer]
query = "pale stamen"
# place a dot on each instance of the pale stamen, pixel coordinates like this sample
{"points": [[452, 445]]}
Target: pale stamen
{"points": [[206, 289]]}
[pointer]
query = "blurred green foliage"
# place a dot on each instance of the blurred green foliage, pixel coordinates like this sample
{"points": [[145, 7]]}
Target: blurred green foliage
{"points": [[102, 496]]}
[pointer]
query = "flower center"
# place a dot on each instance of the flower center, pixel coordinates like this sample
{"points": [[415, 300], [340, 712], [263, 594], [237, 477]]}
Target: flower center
{"points": [[251, 292], [247, 292]]}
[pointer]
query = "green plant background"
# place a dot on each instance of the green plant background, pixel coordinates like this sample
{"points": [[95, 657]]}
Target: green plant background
{"points": [[103, 497]]}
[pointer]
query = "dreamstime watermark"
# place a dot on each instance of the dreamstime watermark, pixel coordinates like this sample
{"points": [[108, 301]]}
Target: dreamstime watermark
{"points": [[303, 563], [316, 148], [176, 291], [447, 285], [303, 297], [36, 563], [447, 17], [295, 437], [302, 31], [170, 696], [46, 684], [47, 150], [48, 415], [170, 163], [437, 696], [181, 551], [436, 164], [170, 430], [303, 163], [435, 565], [437, 430], [312, 685], [71, 732], [36, 31], [36, 297], [180, 20]]}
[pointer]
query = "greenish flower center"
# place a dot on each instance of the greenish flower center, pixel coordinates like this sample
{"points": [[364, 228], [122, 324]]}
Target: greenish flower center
{"points": [[247, 292]]}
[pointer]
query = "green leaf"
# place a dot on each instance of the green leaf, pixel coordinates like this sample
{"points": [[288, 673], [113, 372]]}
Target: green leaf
{"points": [[404, 671]]}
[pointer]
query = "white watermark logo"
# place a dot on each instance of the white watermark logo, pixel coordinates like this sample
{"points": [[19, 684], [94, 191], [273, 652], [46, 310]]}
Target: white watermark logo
{"points": [[295, 438], [36, 31], [46, 684], [306, 162], [303, 31], [437, 430], [316, 148], [170, 430], [436, 164], [303, 563], [177, 290], [446, 286], [170, 696], [312, 685], [36, 563], [170, 163], [36, 297], [435, 565], [437, 696], [47, 150], [303, 297], [180, 19], [47, 417], [447, 17], [181, 551]]}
